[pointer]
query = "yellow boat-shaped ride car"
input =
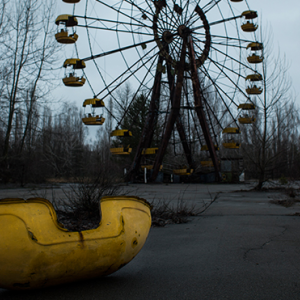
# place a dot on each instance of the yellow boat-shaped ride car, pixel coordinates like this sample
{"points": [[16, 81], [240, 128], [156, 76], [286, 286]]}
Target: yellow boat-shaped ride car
{"points": [[36, 251]]}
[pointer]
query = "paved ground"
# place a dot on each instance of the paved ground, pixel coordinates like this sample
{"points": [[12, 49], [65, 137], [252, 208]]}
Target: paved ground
{"points": [[242, 247]]}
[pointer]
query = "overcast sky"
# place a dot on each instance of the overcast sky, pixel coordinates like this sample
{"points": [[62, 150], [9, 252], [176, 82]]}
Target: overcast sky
{"points": [[281, 17]]}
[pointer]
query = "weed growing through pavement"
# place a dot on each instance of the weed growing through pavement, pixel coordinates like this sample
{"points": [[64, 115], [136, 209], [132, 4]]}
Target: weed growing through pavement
{"points": [[174, 211]]}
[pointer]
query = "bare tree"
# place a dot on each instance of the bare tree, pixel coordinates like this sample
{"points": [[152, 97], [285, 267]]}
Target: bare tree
{"points": [[276, 117], [27, 51]]}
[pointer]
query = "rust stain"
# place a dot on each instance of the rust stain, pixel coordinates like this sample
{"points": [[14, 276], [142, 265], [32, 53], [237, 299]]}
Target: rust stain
{"points": [[32, 236], [134, 242], [81, 239]]}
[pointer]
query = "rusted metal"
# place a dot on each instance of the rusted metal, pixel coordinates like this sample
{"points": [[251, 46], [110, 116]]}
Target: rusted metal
{"points": [[149, 127], [179, 125], [198, 99], [172, 116]]}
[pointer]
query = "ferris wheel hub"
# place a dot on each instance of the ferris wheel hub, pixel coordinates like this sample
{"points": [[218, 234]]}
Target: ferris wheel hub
{"points": [[168, 37], [183, 31]]}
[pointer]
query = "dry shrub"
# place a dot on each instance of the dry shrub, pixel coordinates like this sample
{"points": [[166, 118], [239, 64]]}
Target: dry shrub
{"points": [[80, 209], [166, 212]]}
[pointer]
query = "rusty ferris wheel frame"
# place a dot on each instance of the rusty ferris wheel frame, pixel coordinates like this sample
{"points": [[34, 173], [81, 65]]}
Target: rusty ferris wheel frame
{"points": [[181, 33]]}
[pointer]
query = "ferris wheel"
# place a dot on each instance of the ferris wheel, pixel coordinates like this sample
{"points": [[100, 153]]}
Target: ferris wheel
{"points": [[197, 61]]}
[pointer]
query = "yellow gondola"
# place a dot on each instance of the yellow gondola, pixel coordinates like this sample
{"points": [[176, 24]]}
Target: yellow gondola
{"points": [[121, 132], [64, 38], [75, 63], [255, 59], [150, 167], [205, 148], [253, 89], [255, 46], [62, 35], [231, 145], [249, 26], [206, 163], [36, 251], [232, 130], [254, 77], [249, 14], [246, 119], [149, 151], [95, 102], [184, 171], [229, 141], [71, 1], [67, 20], [121, 150], [246, 106], [74, 81], [91, 120], [71, 79]]}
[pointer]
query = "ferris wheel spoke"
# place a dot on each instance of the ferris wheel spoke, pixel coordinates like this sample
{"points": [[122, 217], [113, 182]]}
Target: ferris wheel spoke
{"points": [[117, 30], [223, 43], [176, 46], [171, 19], [168, 23], [227, 68], [211, 109], [172, 13], [225, 37], [218, 22], [139, 8], [210, 5], [116, 50], [212, 127], [193, 116], [150, 7], [173, 51], [229, 45], [121, 12], [186, 9], [229, 78], [194, 13], [91, 51], [138, 90], [234, 59], [218, 89], [214, 115], [134, 40], [126, 71], [225, 54], [112, 21]]}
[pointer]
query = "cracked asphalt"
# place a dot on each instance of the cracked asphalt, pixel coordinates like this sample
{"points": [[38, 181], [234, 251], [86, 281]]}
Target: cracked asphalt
{"points": [[241, 247]]}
